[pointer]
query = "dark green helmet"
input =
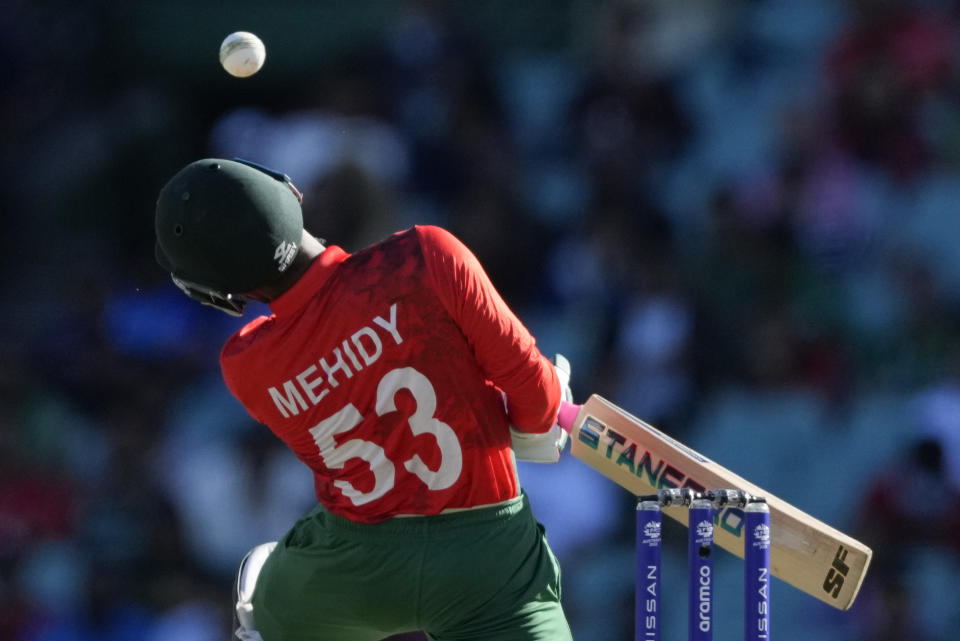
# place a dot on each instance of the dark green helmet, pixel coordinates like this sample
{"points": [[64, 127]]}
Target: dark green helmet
{"points": [[227, 227]]}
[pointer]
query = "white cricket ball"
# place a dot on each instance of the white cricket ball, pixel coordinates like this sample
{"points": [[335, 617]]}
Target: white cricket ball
{"points": [[242, 54]]}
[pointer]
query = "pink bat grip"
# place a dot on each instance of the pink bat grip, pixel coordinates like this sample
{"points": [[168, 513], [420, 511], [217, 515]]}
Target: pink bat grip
{"points": [[567, 415]]}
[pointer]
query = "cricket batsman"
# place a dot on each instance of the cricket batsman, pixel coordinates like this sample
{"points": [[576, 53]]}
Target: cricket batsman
{"points": [[401, 378]]}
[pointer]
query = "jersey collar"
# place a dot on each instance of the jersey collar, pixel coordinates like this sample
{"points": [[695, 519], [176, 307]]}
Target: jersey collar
{"points": [[319, 272]]}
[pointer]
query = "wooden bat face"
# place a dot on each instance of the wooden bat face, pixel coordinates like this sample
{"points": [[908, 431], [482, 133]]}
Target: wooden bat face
{"points": [[806, 553]]}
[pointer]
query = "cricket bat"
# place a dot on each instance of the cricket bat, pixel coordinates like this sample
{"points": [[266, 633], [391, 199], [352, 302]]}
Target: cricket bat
{"points": [[805, 552]]}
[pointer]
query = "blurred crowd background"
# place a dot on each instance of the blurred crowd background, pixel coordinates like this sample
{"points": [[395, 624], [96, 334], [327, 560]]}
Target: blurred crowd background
{"points": [[737, 218]]}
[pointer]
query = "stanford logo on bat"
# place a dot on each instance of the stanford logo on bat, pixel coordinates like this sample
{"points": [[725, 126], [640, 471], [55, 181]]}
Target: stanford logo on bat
{"points": [[630, 458]]}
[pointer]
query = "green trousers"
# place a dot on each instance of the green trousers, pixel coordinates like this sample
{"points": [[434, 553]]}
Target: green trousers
{"points": [[481, 574]]}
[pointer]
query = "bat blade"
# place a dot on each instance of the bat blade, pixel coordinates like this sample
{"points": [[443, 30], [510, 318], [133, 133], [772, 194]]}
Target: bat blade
{"points": [[805, 552]]}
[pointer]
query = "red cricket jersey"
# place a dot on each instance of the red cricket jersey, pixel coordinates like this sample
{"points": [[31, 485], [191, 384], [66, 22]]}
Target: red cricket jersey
{"points": [[381, 370]]}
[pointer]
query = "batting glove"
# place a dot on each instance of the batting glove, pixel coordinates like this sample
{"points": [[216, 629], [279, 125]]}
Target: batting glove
{"points": [[546, 447]]}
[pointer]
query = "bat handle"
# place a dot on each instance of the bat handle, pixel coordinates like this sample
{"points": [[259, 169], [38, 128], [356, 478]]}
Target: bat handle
{"points": [[567, 415]]}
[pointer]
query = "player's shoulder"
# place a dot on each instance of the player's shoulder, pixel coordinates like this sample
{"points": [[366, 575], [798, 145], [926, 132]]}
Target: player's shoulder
{"points": [[438, 239], [242, 339], [434, 235], [429, 241]]}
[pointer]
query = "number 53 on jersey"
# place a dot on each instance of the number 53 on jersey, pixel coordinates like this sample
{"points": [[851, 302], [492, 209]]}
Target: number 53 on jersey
{"points": [[383, 469]]}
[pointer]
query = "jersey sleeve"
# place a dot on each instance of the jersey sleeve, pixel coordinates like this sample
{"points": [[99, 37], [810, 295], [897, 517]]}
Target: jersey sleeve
{"points": [[505, 350]]}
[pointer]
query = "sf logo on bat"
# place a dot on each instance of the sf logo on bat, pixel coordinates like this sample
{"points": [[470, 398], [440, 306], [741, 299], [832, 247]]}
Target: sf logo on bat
{"points": [[833, 583]]}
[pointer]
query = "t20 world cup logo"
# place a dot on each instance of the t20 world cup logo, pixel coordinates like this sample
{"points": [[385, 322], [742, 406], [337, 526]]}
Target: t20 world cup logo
{"points": [[651, 532], [761, 536], [704, 530]]}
